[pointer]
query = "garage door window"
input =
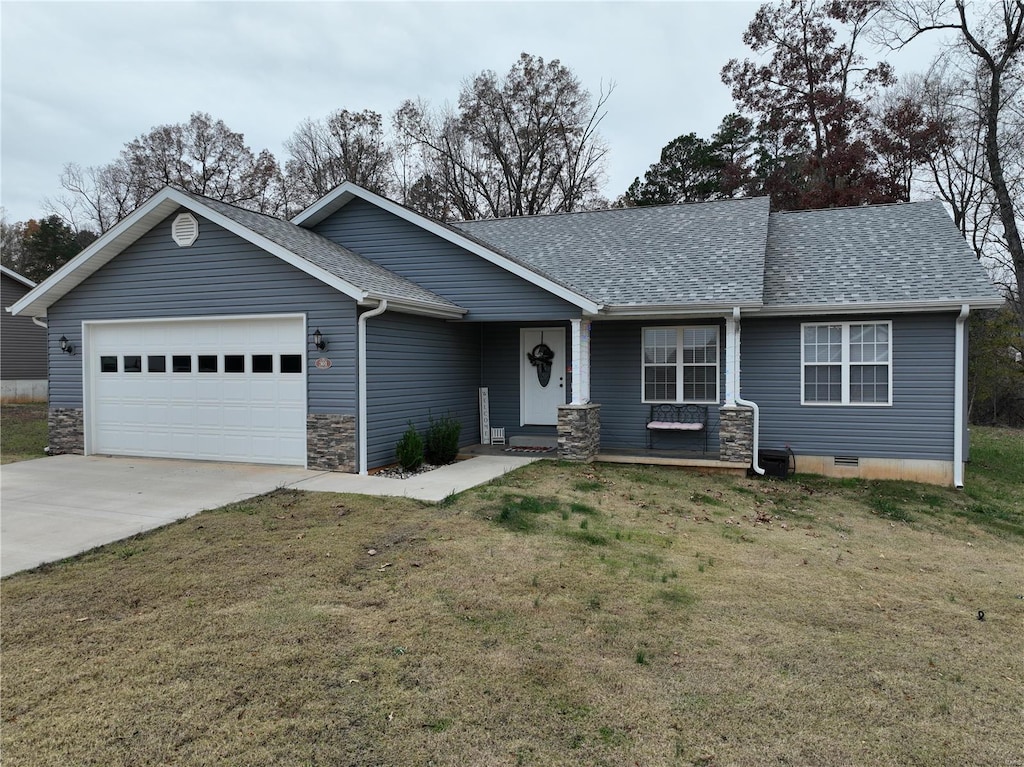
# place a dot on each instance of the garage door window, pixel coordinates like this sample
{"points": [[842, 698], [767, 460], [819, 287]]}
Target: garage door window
{"points": [[263, 363], [132, 363], [156, 364], [108, 364], [181, 363], [234, 363], [291, 363], [207, 363]]}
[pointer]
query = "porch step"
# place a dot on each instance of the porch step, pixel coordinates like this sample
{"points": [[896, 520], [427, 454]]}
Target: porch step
{"points": [[528, 441]]}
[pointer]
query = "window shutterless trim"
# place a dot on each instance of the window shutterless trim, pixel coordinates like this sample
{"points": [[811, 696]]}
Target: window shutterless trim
{"points": [[680, 366], [844, 364]]}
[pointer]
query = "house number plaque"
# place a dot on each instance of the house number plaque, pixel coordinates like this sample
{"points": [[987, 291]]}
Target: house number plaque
{"points": [[322, 363]]}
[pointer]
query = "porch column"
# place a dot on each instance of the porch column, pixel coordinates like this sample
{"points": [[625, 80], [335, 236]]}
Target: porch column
{"points": [[731, 361], [580, 361]]}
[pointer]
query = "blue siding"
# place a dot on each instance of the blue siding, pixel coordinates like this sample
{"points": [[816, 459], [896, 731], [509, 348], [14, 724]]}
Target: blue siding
{"points": [[616, 358], [22, 342], [487, 291], [220, 274], [919, 424], [501, 370], [416, 367]]}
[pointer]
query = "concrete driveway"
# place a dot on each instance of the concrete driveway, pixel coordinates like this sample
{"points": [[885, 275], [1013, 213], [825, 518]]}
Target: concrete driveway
{"points": [[53, 508], [56, 507]]}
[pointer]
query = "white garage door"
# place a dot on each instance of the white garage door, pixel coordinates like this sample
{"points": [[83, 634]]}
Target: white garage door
{"points": [[220, 390]]}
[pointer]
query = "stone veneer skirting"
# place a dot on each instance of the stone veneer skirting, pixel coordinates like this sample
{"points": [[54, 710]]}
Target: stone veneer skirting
{"points": [[331, 442], [579, 432], [736, 435], [66, 427]]}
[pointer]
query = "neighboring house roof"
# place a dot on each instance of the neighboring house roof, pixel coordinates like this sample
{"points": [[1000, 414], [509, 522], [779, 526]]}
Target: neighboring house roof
{"points": [[903, 255], [332, 264], [346, 192], [666, 257], [16, 277]]}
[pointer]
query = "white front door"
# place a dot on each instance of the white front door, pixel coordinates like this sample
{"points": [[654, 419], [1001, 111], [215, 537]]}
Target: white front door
{"points": [[542, 364]]}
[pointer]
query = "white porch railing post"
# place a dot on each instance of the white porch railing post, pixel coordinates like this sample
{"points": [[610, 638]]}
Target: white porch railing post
{"points": [[731, 361], [580, 362]]}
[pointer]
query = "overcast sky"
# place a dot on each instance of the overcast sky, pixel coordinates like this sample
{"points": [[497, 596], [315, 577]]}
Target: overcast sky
{"points": [[81, 79]]}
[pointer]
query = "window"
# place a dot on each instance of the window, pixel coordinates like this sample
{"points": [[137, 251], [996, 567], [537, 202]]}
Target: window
{"points": [[108, 364], [157, 364], [234, 363], [207, 363], [181, 363], [291, 363], [132, 363], [680, 364], [263, 363], [846, 363]]}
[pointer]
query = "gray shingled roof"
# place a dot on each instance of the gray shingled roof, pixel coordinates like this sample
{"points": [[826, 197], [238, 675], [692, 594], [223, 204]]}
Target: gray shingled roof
{"points": [[670, 255], [329, 256], [909, 252]]}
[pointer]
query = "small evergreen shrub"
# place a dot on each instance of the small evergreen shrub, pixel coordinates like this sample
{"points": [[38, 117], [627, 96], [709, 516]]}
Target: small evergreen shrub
{"points": [[442, 443], [409, 449]]}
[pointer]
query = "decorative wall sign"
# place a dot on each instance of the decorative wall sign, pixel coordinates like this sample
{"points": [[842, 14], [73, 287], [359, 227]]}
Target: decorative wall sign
{"points": [[322, 363]]}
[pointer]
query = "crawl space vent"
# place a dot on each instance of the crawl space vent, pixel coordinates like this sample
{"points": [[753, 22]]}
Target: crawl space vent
{"points": [[185, 229], [846, 460]]}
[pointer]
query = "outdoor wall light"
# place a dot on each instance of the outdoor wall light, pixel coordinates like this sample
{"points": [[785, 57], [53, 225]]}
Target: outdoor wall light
{"points": [[66, 346], [318, 340]]}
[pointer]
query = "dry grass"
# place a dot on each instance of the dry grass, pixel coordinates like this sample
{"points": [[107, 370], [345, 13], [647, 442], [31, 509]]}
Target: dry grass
{"points": [[602, 615], [22, 431]]}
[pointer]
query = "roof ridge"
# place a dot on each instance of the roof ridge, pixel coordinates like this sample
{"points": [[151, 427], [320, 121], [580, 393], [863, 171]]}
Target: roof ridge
{"points": [[686, 203], [864, 206]]}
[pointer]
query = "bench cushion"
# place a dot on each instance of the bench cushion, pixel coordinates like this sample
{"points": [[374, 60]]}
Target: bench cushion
{"points": [[675, 426]]}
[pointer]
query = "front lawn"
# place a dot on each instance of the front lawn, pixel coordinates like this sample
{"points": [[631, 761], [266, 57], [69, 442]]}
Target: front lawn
{"points": [[563, 615], [22, 431]]}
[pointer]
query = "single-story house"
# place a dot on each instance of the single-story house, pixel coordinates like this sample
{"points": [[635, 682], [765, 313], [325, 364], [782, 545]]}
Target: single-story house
{"points": [[22, 344], [195, 329]]}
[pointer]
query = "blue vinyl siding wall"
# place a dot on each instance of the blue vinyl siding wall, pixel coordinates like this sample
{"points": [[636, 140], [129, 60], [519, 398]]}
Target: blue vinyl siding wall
{"points": [[500, 350], [919, 424], [418, 367], [221, 274], [22, 342], [487, 291], [616, 358]]}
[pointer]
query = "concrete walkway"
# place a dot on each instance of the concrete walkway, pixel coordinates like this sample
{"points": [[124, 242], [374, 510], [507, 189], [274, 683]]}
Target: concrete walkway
{"points": [[52, 508]]}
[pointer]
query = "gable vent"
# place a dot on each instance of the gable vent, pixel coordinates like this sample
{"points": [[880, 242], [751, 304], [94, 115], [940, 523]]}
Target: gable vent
{"points": [[185, 229], [846, 460]]}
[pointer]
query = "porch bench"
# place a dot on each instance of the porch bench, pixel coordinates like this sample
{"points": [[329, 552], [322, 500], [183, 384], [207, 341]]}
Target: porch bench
{"points": [[677, 418]]}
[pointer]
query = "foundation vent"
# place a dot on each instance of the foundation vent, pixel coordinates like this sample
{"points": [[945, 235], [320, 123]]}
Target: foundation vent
{"points": [[185, 230], [850, 461]]}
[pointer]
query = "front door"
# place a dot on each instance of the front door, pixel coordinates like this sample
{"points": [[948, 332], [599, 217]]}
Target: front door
{"points": [[542, 365]]}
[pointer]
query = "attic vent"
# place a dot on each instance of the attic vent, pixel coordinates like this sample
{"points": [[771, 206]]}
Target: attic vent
{"points": [[185, 229], [846, 460]]}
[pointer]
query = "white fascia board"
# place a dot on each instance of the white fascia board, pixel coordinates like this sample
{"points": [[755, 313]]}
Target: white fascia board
{"points": [[670, 311], [903, 307], [141, 221], [411, 306], [108, 245], [343, 194], [17, 277]]}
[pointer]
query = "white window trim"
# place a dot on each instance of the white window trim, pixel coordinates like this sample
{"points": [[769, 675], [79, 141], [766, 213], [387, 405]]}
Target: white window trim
{"points": [[680, 366], [844, 364]]}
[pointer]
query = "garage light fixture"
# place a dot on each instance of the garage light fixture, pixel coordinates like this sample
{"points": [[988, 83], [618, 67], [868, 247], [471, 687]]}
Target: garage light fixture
{"points": [[318, 340], [66, 346]]}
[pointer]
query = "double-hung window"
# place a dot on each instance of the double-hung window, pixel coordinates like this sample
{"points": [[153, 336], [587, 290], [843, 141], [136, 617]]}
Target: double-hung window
{"points": [[680, 364], [846, 363]]}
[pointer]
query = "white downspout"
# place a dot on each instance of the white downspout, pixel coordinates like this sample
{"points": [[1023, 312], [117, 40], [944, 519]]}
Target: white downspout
{"points": [[959, 412], [37, 321], [379, 309], [736, 388]]}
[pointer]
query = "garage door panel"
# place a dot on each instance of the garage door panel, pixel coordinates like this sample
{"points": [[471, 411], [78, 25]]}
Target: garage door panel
{"points": [[214, 414]]}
